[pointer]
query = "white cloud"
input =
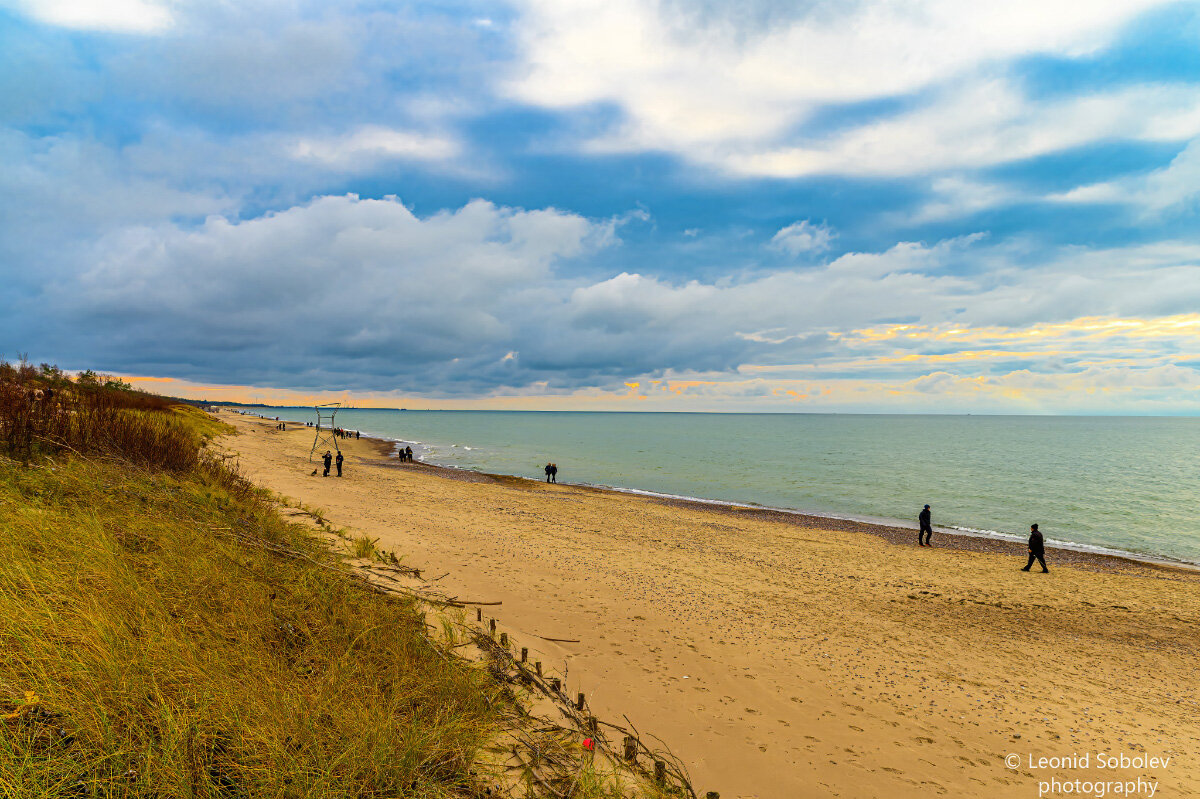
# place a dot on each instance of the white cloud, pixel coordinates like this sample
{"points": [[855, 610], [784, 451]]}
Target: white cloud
{"points": [[371, 143], [1162, 189], [128, 16], [732, 98], [956, 196], [803, 236], [335, 282], [982, 124]]}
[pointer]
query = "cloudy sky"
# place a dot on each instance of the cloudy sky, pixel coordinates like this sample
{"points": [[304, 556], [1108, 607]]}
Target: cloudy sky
{"points": [[919, 206]]}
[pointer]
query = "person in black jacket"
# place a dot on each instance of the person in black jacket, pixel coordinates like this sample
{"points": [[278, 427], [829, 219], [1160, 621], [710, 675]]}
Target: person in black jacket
{"points": [[1037, 549], [339, 463], [328, 460], [926, 531]]}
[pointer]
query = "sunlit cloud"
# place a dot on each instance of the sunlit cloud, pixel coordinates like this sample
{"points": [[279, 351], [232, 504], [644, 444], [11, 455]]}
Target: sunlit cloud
{"points": [[132, 16]]}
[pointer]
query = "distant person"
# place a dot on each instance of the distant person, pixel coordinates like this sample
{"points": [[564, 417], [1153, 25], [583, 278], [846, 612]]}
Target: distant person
{"points": [[547, 471], [1037, 549], [339, 463], [554, 472], [408, 454], [357, 435], [328, 459], [926, 530]]}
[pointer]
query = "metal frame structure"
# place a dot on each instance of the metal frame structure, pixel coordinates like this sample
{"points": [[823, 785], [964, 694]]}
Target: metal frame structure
{"points": [[325, 414]]}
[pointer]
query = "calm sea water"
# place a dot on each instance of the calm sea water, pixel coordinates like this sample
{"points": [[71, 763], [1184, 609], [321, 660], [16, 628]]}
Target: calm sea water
{"points": [[1114, 484]]}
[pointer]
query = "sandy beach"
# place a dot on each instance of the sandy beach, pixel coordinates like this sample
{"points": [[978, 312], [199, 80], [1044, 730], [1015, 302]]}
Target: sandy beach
{"points": [[788, 656]]}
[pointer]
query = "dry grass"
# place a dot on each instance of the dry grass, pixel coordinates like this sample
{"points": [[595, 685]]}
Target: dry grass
{"points": [[43, 413], [171, 658]]}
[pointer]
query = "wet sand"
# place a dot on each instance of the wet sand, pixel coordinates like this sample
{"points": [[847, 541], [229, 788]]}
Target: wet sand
{"points": [[781, 655]]}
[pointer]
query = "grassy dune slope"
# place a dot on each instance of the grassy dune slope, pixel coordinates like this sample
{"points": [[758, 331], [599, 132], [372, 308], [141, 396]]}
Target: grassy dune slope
{"points": [[149, 643]]}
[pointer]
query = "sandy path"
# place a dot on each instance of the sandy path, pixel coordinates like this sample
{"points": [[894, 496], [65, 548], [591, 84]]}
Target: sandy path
{"points": [[780, 660]]}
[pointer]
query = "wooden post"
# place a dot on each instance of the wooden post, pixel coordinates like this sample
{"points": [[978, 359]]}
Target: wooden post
{"points": [[492, 626], [712, 795], [537, 666], [593, 725], [554, 683], [631, 748], [660, 773], [579, 702], [524, 654], [504, 640], [478, 614]]}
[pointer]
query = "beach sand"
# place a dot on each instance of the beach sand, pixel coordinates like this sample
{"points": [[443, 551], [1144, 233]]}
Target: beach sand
{"points": [[791, 656]]}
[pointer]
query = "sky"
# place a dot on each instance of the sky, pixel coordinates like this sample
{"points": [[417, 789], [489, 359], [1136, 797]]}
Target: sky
{"points": [[857, 206]]}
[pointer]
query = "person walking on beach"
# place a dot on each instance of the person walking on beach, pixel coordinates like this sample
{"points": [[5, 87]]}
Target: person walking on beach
{"points": [[339, 463], [554, 472], [328, 460], [926, 531], [1037, 549], [547, 471], [408, 454]]}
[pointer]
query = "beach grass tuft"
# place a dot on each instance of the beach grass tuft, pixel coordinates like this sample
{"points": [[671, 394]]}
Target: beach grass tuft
{"points": [[363, 546]]}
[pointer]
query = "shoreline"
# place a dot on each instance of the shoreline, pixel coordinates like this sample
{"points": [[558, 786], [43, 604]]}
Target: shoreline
{"points": [[1083, 555], [781, 655]]}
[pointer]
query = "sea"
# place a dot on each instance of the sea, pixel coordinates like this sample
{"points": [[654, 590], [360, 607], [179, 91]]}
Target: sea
{"points": [[1119, 485]]}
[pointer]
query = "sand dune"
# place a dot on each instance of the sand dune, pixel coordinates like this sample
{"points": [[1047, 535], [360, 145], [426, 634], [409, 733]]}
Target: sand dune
{"points": [[784, 657]]}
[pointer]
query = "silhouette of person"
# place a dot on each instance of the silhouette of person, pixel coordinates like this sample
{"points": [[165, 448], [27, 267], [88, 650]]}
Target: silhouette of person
{"points": [[547, 471], [554, 472], [339, 463], [1037, 549], [926, 530], [408, 454], [328, 460]]}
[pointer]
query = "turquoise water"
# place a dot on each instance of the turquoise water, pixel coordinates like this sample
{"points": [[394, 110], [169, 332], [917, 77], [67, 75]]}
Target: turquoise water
{"points": [[1114, 484]]}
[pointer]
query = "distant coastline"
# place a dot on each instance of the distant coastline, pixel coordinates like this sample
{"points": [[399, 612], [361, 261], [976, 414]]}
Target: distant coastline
{"points": [[894, 530]]}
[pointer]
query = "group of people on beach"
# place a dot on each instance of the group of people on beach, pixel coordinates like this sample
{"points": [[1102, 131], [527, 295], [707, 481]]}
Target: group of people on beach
{"points": [[405, 454], [328, 459], [1036, 543], [342, 433], [551, 472]]}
